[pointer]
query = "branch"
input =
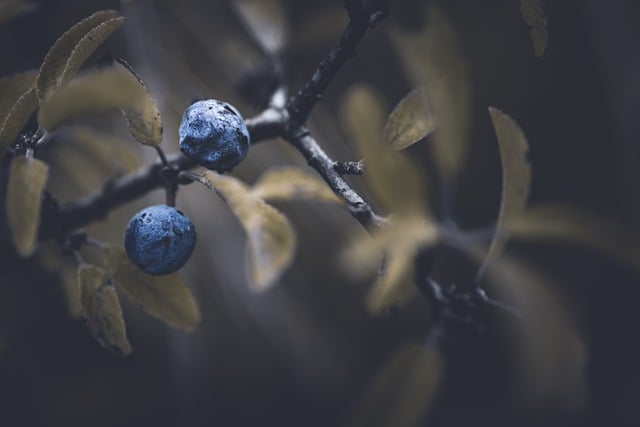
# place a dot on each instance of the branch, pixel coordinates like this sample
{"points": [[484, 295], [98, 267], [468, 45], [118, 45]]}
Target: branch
{"points": [[362, 17]]}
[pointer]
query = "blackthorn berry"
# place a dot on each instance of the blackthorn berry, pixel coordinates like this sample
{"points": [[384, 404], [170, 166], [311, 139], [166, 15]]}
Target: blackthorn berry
{"points": [[213, 134], [159, 239]]}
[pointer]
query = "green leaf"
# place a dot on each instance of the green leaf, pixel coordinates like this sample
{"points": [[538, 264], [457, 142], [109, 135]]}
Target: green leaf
{"points": [[411, 120], [402, 391], [10, 9], [516, 179], [166, 297], [27, 179], [289, 183], [70, 51], [266, 20], [271, 241], [12, 88], [567, 224], [101, 309], [100, 92], [536, 18], [396, 184], [433, 58], [17, 118]]}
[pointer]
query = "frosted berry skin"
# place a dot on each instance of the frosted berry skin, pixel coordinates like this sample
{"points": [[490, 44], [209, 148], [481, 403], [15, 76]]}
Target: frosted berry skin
{"points": [[159, 239], [213, 134]]}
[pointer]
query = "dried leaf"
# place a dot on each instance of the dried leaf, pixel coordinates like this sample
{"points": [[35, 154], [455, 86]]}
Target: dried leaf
{"points": [[536, 18], [271, 241], [27, 179], [402, 391], [516, 179], [433, 57], [564, 223], [103, 91], [397, 184], [12, 88], [73, 48], [10, 9], [101, 309], [289, 183], [166, 297], [17, 118], [266, 20], [411, 120]]}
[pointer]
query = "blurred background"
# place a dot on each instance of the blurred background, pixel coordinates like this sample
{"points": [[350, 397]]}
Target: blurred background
{"points": [[307, 351]]}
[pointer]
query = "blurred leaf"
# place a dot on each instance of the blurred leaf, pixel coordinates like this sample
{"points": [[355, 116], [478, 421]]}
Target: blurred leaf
{"points": [[27, 179], [101, 309], [397, 184], [288, 183], [564, 223], [17, 118], [111, 153], [433, 58], [266, 20], [73, 48], [271, 241], [536, 18], [51, 259], [394, 247], [166, 297], [410, 121], [12, 88], [102, 91], [402, 391], [9, 9], [516, 179]]}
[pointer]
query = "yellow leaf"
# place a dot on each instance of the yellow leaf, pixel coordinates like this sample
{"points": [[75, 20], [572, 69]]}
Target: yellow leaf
{"points": [[433, 58], [17, 118], [266, 20], [271, 241], [288, 183], [12, 88], [394, 181], [63, 55], [101, 309], [564, 223], [402, 391], [516, 179], [9, 9], [536, 18], [411, 120], [27, 179], [110, 153], [103, 91], [167, 297]]}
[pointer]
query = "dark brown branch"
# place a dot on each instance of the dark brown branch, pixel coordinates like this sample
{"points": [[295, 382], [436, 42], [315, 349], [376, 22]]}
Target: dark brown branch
{"points": [[362, 17]]}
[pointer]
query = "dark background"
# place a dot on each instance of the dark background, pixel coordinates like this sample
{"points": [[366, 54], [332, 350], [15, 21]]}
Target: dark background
{"points": [[303, 353]]}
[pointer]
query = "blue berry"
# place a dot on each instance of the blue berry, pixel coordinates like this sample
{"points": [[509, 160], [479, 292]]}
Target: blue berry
{"points": [[213, 134], [159, 239]]}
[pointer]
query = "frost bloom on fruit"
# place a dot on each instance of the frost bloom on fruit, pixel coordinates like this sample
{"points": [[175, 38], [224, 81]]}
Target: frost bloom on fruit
{"points": [[213, 134], [159, 239]]}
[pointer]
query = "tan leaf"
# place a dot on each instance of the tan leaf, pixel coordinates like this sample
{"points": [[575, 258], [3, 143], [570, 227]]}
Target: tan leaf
{"points": [[109, 152], [12, 88], [433, 58], [564, 223], [63, 55], [271, 241], [266, 20], [17, 118], [101, 309], [411, 120], [10, 9], [27, 179], [289, 183], [396, 183], [536, 18], [50, 258], [402, 391], [516, 179], [103, 91], [166, 297]]}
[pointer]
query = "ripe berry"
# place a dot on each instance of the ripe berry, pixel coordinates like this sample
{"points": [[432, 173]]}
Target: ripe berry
{"points": [[213, 134], [159, 239]]}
